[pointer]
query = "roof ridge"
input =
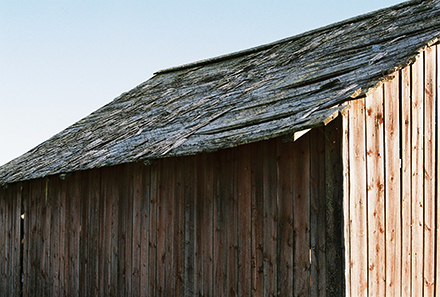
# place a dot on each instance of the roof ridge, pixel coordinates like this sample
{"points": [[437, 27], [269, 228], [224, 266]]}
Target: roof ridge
{"points": [[266, 46]]}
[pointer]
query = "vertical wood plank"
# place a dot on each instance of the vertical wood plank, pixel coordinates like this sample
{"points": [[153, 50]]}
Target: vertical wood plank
{"points": [[333, 218], [127, 193], [437, 252], [74, 232], [107, 230], [94, 215], [161, 228], [116, 223], [14, 241], [429, 174], [317, 230], [114, 185], [405, 172], [170, 223], [55, 235], [26, 237], [155, 170], [417, 173], [207, 223], [270, 217], [46, 261], [358, 202], [17, 265], [244, 220], [6, 247], [179, 226], [346, 201], [102, 227], [301, 216], [33, 244], [375, 192], [200, 229], [220, 244], [84, 260], [11, 251], [204, 215], [4, 226], [392, 188], [146, 229], [137, 243], [104, 230], [37, 242], [231, 200], [121, 209], [317, 212], [257, 218], [8, 243], [190, 279], [45, 237], [285, 242]]}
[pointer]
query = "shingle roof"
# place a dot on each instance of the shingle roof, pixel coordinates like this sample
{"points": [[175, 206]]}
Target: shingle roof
{"points": [[264, 92]]}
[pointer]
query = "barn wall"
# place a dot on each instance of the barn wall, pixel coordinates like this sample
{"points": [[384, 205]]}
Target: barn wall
{"points": [[391, 177], [260, 219]]}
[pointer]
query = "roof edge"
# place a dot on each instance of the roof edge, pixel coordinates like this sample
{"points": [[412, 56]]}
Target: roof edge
{"points": [[281, 41]]}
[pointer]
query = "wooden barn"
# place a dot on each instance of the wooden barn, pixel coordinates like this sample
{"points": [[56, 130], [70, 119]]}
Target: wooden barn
{"points": [[305, 167]]}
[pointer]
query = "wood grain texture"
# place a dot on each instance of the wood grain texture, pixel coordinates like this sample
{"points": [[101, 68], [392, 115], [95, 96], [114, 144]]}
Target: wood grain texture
{"points": [[393, 219], [430, 97], [153, 239], [334, 264], [301, 216], [26, 238], [245, 241], [270, 215], [346, 207], [286, 220], [437, 261], [406, 180], [162, 223], [137, 214], [375, 192], [258, 230], [206, 215], [190, 225], [147, 237], [358, 203], [277, 89], [5, 209], [317, 213], [417, 176]]}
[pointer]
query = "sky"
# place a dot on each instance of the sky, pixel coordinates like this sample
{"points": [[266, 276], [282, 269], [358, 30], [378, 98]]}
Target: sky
{"points": [[62, 60]]}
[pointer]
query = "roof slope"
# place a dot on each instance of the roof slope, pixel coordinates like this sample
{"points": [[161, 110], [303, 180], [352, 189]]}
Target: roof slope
{"points": [[264, 92]]}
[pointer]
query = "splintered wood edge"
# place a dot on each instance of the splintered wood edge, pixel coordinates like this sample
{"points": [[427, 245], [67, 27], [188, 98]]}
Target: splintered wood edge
{"points": [[331, 117]]}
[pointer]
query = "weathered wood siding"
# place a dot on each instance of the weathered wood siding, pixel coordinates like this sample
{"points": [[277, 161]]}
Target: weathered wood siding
{"points": [[392, 184], [257, 220]]}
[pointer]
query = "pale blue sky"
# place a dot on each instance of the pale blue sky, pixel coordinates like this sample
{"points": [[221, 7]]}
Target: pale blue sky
{"points": [[61, 60]]}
